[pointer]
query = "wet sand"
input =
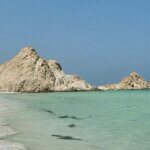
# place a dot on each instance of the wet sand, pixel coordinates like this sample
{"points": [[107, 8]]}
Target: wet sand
{"points": [[6, 131]]}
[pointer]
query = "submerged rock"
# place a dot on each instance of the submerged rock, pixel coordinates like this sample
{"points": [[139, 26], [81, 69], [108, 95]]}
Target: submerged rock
{"points": [[66, 137], [46, 110], [28, 72], [133, 81], [72, 117], [71, 125]]}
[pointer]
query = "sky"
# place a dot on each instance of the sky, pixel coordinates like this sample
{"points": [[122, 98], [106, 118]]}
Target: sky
{"points": [[100, 40]]}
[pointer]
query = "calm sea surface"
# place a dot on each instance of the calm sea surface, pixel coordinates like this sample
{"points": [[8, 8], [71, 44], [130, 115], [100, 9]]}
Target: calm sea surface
{"points": [[113, 120]]}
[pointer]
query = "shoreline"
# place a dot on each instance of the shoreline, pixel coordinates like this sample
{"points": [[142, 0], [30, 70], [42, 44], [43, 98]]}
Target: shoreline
{"points": [[6, 131], [97, 90]]}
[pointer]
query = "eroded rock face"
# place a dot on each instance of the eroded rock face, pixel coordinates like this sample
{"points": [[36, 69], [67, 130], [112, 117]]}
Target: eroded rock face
{"points": [[27, 72], [133, 81], [65, 82]]}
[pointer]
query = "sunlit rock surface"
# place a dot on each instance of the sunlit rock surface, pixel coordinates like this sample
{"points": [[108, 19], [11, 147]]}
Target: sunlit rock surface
{"points": [[28, 72], [133, 81]]}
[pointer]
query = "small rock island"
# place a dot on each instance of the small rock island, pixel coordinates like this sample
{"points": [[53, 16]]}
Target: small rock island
{"points": [[131, 82], [28, 72]]}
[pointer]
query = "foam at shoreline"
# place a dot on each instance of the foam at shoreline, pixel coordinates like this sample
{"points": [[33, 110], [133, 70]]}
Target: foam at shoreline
{"points": [[6, 131]]}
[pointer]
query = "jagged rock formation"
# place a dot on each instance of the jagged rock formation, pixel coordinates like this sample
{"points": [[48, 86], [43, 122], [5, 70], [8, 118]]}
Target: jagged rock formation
{"points": [[27, 72], [133, 81], [65, 82]]}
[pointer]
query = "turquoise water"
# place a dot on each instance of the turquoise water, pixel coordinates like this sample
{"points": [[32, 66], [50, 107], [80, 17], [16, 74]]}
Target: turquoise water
{"points": [[113, 120]]}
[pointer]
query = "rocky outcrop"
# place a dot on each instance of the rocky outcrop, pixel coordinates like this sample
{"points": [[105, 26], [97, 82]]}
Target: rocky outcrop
{"points": [[133, 81], [65, 82], [28, 72]]}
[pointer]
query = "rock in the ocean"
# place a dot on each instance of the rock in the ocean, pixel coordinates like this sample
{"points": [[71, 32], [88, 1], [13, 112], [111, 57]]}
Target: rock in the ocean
{"points": [[133, 81], [28, 72]]}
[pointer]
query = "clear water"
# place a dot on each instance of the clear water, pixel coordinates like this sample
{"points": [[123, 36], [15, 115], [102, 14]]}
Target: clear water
{"points": [[114, 120]]}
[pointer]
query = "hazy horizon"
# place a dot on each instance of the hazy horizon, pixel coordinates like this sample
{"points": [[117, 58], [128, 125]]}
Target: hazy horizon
{"points": [[101, 41]]}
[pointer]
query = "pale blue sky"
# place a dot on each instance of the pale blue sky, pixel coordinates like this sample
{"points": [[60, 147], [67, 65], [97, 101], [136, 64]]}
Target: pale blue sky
{"points": [[100, 40]]}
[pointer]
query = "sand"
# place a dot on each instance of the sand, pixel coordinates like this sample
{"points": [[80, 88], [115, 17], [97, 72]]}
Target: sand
{"points": [[6, 130]]}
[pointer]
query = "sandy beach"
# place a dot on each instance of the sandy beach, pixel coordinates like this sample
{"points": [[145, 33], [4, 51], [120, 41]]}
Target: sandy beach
{"points": [[6, 131]]}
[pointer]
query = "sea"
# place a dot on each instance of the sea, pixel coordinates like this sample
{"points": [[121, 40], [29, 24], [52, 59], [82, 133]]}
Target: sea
{"points": [[100, 120]]}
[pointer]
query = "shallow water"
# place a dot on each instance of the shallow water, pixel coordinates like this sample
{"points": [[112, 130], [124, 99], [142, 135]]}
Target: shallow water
{"points": [[113, 120]]}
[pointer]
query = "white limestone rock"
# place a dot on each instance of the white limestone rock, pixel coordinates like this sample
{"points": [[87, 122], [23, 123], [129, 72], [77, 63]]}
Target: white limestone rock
{"points": [[28, 72], [132, 82], [65, 82]]}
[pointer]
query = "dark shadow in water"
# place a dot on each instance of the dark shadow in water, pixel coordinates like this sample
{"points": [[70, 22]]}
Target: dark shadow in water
{"points": [[72, 117], [66, 137], [46, 110], [71, 125]]}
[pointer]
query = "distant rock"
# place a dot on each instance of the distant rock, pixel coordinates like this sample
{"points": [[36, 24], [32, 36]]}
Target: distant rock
{"points": [[133, 81], [28, 72]]}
